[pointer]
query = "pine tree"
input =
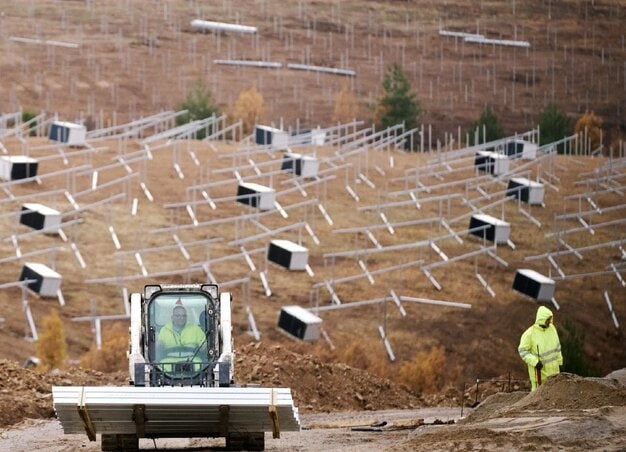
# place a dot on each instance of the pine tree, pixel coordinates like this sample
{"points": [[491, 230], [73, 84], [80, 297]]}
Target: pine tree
{"points": [[572, 348], [554, 125], [199, 104], [488, 126], [398, 104]]}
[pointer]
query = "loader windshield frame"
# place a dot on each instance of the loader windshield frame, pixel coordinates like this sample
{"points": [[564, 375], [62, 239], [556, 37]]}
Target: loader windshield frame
{"points": [[181, 339]]}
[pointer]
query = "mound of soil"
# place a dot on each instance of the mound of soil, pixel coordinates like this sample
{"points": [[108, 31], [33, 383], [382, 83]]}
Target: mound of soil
{"points": [[562, 392], [318, 386], [567, 391], [567, 412], [493, 405], [28, 392]]}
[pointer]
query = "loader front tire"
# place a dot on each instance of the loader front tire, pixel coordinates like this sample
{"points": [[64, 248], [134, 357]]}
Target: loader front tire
{"points": [[245, 441], [126, 443]]}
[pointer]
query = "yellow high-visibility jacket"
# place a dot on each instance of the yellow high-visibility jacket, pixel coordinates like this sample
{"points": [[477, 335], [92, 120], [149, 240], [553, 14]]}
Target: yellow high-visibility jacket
{"points": [[180, 346], [541, 344]]}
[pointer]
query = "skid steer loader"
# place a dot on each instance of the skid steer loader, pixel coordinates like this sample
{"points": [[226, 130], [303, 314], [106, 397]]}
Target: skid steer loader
{"points": [[182, 385]]}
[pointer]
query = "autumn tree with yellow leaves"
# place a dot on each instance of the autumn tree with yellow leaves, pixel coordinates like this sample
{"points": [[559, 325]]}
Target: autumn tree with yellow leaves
{"points": [[250, 108], [51, 347], [589, 129], [346, 106]]}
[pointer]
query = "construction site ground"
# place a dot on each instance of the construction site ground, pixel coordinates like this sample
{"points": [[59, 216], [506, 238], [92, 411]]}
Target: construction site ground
{"points": [[566, 413]]}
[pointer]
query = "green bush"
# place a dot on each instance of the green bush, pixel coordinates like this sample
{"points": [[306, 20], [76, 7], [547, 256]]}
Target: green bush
{"points": [[572, 347], [554, 125], [27, 115], [199, 104], [398, 104], [488, 125]]}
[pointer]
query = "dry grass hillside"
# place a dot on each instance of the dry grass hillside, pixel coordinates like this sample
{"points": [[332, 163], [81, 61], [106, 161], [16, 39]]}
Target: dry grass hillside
{"points": [[136, 58], [140, 57], [480, 341]]}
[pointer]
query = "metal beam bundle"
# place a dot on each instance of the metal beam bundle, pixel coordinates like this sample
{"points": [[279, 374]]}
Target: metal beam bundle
{"points": [[173, 411]]}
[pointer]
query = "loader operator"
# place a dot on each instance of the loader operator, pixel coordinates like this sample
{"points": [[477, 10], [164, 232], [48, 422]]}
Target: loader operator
{"points": [[540, 348], [179, 341]]}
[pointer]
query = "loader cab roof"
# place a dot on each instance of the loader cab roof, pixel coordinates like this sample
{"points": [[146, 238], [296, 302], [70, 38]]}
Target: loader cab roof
{"points": [[152, 289]]}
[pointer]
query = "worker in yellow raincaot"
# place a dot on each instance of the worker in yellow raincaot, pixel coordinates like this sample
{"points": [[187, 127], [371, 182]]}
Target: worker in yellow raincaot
{"points": [[540, 348]]}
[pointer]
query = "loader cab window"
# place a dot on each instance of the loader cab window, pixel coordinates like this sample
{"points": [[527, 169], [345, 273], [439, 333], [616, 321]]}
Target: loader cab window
{"points": [[179, 330]]}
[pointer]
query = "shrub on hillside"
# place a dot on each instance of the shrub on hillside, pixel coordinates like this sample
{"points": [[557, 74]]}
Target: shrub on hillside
{"points": [[346, 106], [51, 347], [589, 130], [249, 107], [487, 127], [356, 356], [554, 125], [112, 355], [572, 347], [27, 115], [199, 104], [426, 372], [398, 104]]}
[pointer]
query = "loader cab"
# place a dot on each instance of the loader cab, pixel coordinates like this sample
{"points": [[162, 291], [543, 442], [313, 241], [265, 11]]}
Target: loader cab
{"points": [[181, 326]]}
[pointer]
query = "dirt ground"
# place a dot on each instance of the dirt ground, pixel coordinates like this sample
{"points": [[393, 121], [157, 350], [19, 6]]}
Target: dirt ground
{"points": [[566, 413]]}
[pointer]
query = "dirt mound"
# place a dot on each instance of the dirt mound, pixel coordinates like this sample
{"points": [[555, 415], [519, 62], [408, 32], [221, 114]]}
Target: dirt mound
{"points": [[567, 412], [619, 375], [28, 392], [318, 386], [493, 405], [567, 391], [562, 392]]}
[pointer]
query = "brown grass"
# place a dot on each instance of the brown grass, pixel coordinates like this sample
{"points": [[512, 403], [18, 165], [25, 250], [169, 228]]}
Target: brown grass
{"points": [[102, 80], [142, 58], [492, 326], [111, 357]]}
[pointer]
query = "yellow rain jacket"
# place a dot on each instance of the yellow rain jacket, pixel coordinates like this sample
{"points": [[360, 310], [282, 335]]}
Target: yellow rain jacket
{"points": [[541, 344], [180, 346]]}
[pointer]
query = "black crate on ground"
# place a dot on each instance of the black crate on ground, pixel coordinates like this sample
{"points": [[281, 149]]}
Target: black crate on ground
{"points": [[68, 133], [299, 323], [534, 284], [276, 138], [47, 282], [526, 190], [288, 254], [521, 149], [300, 165], [495, 230], [256, 195], [491, 162], [14, 167], [40, 217]]}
